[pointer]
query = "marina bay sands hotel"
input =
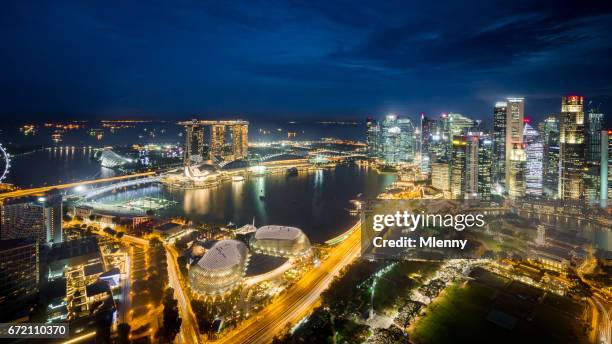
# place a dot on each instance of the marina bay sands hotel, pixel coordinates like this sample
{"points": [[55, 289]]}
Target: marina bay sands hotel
{"points": [[218, 148]]}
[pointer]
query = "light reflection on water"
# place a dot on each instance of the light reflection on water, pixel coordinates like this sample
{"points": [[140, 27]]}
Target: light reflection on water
{"points": [[314, 201]]}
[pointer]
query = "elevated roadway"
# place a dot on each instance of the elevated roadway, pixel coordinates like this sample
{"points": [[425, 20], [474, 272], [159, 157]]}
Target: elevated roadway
{"points": [[300, 299]]}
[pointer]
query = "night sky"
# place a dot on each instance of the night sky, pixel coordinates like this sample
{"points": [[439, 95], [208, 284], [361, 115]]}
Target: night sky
{"points": [[296, 60]]}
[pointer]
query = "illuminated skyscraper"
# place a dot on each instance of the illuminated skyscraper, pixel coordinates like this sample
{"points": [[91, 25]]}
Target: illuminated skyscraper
{"points": [[485, 166], [438, 142], [440, 177], [391, 140], [499, 143], [458, 167], [534, 153], [459, 124], [471, 165], [549, 130], [240, 141], [19, 272], [572, 148], [32, 217], [195, 140], [516, 171], [408, 140], [398, 140], [373, 137], [592, 179], [514, 128], [217, 141], [605, 192], [427, 125]]}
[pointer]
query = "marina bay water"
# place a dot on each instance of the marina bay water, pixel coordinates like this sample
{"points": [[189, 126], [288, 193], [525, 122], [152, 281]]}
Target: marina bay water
{"points": [[316, 201]]}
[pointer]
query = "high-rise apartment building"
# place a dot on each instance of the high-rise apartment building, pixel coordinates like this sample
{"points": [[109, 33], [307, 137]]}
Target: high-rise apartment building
{"points": [[515, 113], [572, 148]]}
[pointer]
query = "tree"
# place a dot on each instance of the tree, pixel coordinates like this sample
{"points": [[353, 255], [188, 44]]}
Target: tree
{"points": [[123, 333], [171, 319], [182, 264], [92, 217], [67, 218]]}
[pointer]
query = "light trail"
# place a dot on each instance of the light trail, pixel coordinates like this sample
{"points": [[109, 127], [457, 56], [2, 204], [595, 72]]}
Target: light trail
{"points": [[188, 332], [300, 299]]}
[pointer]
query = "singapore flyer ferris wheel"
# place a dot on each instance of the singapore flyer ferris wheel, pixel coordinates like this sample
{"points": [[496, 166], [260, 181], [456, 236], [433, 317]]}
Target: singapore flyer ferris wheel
{"points": [[5, 163]]}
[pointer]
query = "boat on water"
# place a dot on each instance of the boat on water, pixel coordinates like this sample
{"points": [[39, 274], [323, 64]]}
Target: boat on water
{"points": [[293, 171], [237, 178]]}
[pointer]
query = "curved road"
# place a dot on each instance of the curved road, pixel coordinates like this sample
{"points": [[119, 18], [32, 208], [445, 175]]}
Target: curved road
{"points": [[299, 299]]}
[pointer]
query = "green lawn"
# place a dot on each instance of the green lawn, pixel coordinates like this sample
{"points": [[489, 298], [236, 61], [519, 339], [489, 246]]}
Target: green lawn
{"points": [[460, 315]]}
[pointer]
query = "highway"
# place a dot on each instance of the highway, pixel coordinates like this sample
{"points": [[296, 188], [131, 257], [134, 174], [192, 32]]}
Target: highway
{"points": [[188, 332], [599, 305], [43, 189], [299, 299]]}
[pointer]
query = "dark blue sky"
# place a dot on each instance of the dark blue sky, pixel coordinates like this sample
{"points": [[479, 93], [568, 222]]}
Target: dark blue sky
{"points": [[304, 59]]}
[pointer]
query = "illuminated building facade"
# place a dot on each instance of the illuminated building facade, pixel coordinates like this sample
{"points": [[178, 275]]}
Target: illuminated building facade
{"points": [[196, 149], [517, 166], [394, 141], [19, 270], [592, 179], [549, 129], [605, 192], [32, 217], [572, 148], [220, 270], [373, 137], [280, 241], [534, 154], [458, 167], [485, 166], [515, 112], [499, 143], [471, 166], [440, 176], [240, 141]]}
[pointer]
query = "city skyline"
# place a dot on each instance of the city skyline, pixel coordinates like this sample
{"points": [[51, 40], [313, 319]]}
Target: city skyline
{"points": [[310, 62], [306, 172]]}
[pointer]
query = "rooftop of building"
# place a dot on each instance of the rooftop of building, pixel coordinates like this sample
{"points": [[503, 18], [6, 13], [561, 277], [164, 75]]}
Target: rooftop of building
{"points": [[74, 248], [278, 232], [223, 254]]}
